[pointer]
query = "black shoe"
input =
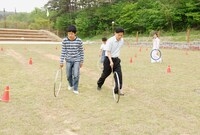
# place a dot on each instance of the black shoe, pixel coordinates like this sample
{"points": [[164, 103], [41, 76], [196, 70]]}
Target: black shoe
{"points": [[98, 88], [116, 91]]}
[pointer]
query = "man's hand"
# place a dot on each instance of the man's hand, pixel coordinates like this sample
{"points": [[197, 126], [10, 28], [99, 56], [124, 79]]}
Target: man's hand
{"points": [[61, 65], [81, 64]]}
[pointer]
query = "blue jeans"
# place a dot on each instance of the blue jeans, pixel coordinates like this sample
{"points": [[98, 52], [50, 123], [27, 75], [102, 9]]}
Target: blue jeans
{"points": [[73, 72], [103, 56]]}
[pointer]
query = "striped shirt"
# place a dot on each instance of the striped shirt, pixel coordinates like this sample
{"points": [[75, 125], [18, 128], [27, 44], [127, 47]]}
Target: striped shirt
{"points": [[72, 50]]}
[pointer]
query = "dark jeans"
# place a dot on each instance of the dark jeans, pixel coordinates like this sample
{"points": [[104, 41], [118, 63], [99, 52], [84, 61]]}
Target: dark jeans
{"points": [[107, 71]]}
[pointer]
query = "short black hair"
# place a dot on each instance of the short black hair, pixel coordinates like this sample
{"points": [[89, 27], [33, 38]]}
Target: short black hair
{"points": [[119, 30], [71, 28], [156, 33], [104, 39]]}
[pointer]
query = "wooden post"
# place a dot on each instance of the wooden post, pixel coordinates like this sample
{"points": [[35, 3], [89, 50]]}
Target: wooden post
{"points": [[16, 17], [159, 33], [4, 17], [188, 36], [137, 37], [57, 32]]}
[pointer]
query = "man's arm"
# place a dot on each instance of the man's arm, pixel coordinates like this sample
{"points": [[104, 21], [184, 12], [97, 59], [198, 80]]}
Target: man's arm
{"points": [[110, 59], [82, 54], [62, 56]]}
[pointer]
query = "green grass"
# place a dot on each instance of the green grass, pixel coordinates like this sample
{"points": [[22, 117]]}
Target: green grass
{"points": [[155, 102]]}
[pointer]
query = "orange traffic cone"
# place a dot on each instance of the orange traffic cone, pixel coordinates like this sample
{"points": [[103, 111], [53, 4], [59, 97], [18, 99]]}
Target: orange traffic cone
{"points": [[169, 69], [30, 61], [6, 97], [131, 60]]}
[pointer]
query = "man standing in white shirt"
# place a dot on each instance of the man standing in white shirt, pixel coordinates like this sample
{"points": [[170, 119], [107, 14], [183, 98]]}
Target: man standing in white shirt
{"points": [[112, 60]]}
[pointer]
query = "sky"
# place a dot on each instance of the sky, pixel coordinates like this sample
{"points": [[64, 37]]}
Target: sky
{"points": [[21, 5]]}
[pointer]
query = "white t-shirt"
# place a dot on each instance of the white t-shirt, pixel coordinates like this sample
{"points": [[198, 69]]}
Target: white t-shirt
{"points": [[156, 43], [102, 46], [114, 46]]}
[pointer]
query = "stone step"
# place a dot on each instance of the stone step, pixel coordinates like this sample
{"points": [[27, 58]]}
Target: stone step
{"points": [[19, 32], [27, 35], [25, 39], [24, 35]]}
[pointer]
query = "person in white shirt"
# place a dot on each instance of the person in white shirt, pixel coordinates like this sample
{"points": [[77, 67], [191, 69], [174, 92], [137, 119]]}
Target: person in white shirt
{"points": [[112, 60], [102, 50], [156, 45]]}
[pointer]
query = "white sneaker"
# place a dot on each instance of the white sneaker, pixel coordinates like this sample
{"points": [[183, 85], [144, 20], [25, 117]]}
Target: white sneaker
{"points": [[75, 91], [121, 93], [70, 88]]}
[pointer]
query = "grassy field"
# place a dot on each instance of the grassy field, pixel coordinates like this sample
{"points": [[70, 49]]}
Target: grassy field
{"points": [[155, 102]]}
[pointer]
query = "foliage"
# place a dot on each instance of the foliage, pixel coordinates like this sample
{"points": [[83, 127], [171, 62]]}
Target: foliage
{"points": [[155, 102], [37, 19], [94, 17]]}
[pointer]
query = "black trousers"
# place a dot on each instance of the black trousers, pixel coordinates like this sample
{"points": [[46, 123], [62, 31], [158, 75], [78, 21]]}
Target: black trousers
{"points": [[107, 71]]}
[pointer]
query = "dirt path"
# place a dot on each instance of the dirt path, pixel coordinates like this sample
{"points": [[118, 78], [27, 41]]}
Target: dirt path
{"points": [[145, 99], [24, 62], [93, 73], [16, 56]]}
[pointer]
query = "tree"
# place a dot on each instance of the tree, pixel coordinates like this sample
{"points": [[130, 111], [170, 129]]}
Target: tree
{"points": [[93, 17]]}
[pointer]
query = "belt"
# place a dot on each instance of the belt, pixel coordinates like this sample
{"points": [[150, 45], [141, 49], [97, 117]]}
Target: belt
{"points": [[112, 57]]}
